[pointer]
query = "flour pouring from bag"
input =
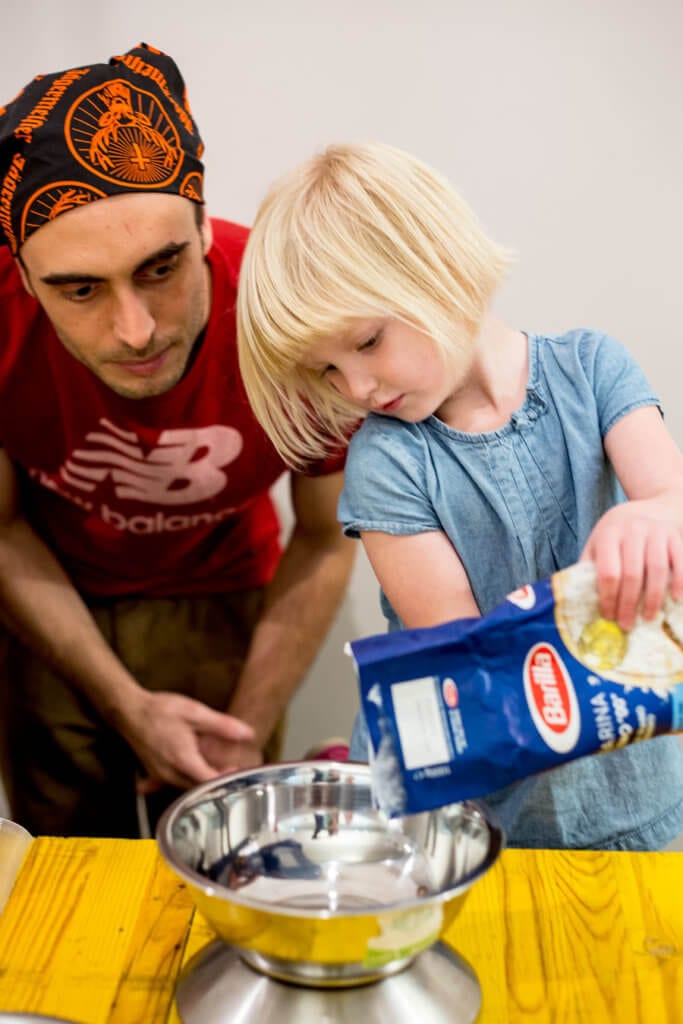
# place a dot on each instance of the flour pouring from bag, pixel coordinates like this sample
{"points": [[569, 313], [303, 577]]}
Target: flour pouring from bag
{"points": [[461, 709]]}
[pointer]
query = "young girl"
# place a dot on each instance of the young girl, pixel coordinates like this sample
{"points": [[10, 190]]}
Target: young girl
{"points": [[487, 458]]}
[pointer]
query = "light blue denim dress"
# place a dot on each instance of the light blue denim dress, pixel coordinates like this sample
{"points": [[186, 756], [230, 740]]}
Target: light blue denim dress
{"points": [[518, 504]]}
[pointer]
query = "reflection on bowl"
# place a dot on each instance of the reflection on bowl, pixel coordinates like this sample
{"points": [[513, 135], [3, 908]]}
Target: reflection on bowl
{"points": [[294, 866]]}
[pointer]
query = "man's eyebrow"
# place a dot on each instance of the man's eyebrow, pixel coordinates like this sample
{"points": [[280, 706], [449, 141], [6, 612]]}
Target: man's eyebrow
{"points": [[165, 253], [168, 251], [71, 279]]}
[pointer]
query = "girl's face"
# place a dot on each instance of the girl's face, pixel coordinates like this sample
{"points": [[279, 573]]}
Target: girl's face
{"points": [[388, 367]]}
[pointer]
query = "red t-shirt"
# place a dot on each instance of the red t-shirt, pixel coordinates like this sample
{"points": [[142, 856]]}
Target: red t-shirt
{"points": [[157, 496]]}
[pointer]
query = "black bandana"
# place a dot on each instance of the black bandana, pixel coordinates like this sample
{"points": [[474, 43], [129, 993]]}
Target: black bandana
{"points": [[91, 132]]}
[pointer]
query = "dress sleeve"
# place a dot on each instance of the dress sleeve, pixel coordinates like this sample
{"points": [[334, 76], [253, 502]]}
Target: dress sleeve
{"points": [[385, 481], [619, 384]]}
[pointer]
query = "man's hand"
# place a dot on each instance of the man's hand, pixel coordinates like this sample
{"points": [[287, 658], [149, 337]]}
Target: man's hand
{"points": [[177, 739], [230, 756]]}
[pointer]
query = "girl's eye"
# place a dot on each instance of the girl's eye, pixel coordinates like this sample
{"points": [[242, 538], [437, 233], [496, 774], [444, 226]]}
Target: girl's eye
{"points": [[370, 343], [328, 369]]}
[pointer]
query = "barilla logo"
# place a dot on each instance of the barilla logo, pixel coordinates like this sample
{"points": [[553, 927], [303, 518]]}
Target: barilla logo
{"points": [[551, 698], [523, 597], [450, 693]]}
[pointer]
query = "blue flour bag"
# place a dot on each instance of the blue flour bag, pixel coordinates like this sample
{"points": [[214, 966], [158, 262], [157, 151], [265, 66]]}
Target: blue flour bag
{"points": [[461, 709]]}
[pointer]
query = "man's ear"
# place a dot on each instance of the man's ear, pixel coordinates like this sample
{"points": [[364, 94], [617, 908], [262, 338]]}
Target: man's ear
{"points": [[23, 274], [206, 232]]}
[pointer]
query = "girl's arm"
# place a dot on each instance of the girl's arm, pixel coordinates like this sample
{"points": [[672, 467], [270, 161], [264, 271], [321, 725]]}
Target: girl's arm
{"points": [[638, 546], [422, 576]]}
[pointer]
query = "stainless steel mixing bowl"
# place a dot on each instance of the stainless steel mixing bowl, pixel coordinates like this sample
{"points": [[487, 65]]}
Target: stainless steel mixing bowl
{"points": [[294, 866]]}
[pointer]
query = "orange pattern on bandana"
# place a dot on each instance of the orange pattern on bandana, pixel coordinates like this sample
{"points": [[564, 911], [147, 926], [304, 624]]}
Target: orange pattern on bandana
{"points": [[51, 200], [123, 134], [73, 137]]}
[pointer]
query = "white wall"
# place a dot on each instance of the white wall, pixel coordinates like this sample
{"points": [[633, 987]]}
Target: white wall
{"points": [[560, 123]]}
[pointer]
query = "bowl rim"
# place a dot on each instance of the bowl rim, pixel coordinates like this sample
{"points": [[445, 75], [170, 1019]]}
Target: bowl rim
{"points": [[221, 892]]}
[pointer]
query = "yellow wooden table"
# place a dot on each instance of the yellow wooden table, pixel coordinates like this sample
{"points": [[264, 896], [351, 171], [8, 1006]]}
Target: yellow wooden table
{"points": [[97, 930]]}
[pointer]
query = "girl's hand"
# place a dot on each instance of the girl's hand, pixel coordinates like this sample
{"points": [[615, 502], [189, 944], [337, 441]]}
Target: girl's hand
{"points": [[638, 554]]}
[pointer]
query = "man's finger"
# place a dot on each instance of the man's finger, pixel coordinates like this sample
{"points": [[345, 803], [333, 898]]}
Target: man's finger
{"points": [[224, 726], [188, 771]]}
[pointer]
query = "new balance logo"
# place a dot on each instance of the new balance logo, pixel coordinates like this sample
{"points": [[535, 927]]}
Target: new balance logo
{"points": [[186, 466]]}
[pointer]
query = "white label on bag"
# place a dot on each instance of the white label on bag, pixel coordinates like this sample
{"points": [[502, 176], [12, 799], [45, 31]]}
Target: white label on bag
{"points": [[417, 706]]}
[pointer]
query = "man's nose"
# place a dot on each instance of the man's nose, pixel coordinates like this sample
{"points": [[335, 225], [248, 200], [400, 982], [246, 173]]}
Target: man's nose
{"points": [[133, 323]]}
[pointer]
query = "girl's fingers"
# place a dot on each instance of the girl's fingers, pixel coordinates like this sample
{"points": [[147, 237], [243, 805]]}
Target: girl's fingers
{"points": [[632, 577], [676, 566], [607, 559], [656, 583]]}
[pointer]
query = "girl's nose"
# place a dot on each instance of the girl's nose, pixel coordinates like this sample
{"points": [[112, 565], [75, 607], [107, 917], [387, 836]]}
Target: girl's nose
{"points": [[361, 387]]}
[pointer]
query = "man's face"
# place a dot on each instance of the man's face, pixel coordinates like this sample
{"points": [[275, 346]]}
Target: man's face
{"points": [[126, 287]]}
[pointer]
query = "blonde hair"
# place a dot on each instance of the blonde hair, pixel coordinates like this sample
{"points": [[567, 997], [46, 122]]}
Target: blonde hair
{"points": [[358, 232]]}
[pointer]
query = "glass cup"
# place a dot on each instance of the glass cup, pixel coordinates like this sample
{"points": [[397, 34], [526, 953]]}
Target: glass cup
{"points": [[14, 842]]}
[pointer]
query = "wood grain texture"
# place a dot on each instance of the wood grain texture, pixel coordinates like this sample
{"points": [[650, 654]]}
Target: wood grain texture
{"points": [[96, 931], [560, 937]]}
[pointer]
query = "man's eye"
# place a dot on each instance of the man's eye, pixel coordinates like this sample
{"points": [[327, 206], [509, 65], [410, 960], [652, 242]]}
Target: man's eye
{"points": [[79, 293], [160, 271]]}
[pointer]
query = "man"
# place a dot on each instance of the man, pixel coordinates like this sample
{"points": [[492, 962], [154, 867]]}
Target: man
{"points": [[162, 631]]}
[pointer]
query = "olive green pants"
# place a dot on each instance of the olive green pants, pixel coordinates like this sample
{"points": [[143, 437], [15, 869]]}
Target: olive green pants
{"points": [[65, 770]]}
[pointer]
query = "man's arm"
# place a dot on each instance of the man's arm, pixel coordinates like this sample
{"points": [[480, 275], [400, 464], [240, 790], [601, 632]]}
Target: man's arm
{"points": [[42, 606], [299, 608]]}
